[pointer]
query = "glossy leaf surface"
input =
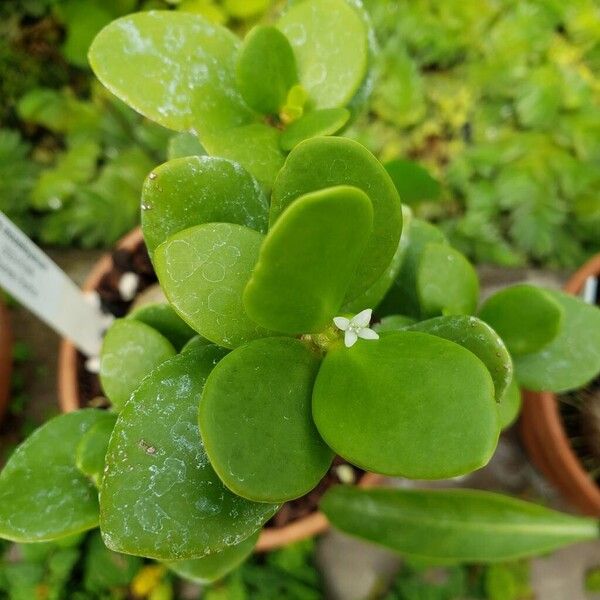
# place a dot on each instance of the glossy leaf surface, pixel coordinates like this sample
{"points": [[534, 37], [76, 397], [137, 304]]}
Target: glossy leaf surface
{"points": [[393, 323], [194, 190], [330, 161], [256, 423], [572, 359], [266, 69], [478, 337], [329, 39], [526, 317], [177, 506], [510, 405], [43, 496], [413, 182], [326, 121], [456, 525], [446, 282], [308, 259], [408, 404], [203, 272], [214, 566], [91, 450], [175, 68], [130, 350], [166, 321]]}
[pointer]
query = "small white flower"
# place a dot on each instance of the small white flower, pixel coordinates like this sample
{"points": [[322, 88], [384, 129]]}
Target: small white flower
{"points": [[356, 327]]}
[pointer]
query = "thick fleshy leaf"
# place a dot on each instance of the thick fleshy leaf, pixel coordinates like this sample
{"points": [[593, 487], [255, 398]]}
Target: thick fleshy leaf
{"points": [[203, 272], [266, 69], [326, 121], [160, 497], [456, 525], [308, 259], [175, 68], [196, 342], [447, 283], [510, 405], [402, 296], [256, 423], [91, 450], [194, 190], [166, 321], [330, 161], [525, 316], [408, 404], [572, 359], [130, 350], [43, 496], [214, 566], [393, 323], [330, 42], [413, 182], [480, 339]]}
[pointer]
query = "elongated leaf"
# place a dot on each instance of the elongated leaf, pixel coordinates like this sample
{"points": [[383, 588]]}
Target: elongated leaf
{"points": [[255, 420], [175, 68], [480, 339], [194, 190], [308, 260], [326, 121], [266, 69], [203, 272], [166, 321], [324, 162], [330, 42], [408, 404], [214, 566], [457, 525], [131, 349], [91, 450], [526, 317], [43, 496], [572, 359], [160, 497]]}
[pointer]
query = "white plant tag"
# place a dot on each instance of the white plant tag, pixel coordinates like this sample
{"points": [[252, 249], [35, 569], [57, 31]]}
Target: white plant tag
{"points": [[31, 277]]}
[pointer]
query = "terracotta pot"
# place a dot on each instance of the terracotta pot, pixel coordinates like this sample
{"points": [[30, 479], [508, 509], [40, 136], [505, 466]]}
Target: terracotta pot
{"points": [[6, 359], [69, 400], [545, 437]]}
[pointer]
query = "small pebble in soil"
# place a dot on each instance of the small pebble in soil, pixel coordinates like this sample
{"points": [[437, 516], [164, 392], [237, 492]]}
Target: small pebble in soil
{"points": [[345, 473], [92, 364], [128, 285]]}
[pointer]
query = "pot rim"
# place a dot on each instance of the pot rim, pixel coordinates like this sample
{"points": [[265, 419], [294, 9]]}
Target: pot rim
{"points": [[68, 396], [544, 434]]}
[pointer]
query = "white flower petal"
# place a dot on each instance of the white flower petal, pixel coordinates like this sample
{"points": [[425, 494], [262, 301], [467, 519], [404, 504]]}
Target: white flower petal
{"points": [[363, 318], [368, 334], [350, 338], [341, 323]]}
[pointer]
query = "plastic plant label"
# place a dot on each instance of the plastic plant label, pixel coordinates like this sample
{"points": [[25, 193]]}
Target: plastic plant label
{"points": [[38, 283]]}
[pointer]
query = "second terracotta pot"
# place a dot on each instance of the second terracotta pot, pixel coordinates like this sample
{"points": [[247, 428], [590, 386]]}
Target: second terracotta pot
{"points": [[70, 399], [544, 434]]}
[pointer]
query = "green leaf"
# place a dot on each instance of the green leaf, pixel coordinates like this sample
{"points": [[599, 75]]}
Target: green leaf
{"points": [[478, 337], [572, 359], [330, 161], [131, 349], [213, 567], [308, 259], [194, 190], [196, 342], [408, 404], [447, 283], [175, 68], [413, 182], [526, 317], [393, 323], [160, 497], [510, 404], [184, 144], [91, 450], [329, 39], [402, 297], [266, 69], [43, 496], [457, 525], [203, 271], [166, 321], [326, 121], [255, 420]]}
